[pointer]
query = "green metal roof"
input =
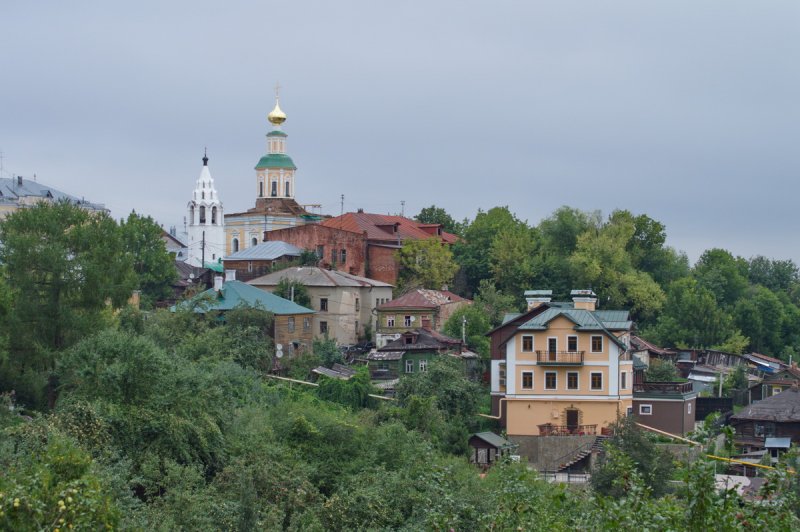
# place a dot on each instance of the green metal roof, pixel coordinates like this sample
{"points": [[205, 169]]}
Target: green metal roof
{"points": [[277, 134], [276, 160], [236, 293], [584, 320], [510, 316], [215, 266]]}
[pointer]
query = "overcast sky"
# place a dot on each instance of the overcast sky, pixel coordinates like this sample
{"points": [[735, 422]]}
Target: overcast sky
{"points": [[685, 111]]}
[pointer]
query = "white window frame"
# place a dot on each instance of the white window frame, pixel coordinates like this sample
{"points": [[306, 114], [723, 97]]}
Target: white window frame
{"points": [[390, 321], [548, 343], [409, 366], [522, 381], [591, 387], [407, 320], [645, 410], [689, 408], [423, 365], [578, 381], [623, 380], [591, 343], [576, 343], [546, 373], [522, 346]]}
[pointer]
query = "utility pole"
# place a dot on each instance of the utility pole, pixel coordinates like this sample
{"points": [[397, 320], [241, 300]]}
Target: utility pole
{"points": [[203, 251], [463, 330]]}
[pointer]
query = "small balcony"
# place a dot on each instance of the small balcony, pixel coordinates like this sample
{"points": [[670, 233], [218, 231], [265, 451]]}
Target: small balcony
{"points": [[559, 358], [567, 430], [667, 388]]}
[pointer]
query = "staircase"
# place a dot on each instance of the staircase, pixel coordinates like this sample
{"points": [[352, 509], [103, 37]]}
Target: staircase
{"points": [[586, 450]]}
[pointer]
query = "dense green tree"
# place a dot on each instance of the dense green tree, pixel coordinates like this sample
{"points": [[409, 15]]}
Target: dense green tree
{"points": [[354, 392], [293, 291], [327, 351], [661, 371], [512, 260], [425, 264], [437, 215], [724, 275], [153, 265], [476, 326], [777, 275], [759, 315], [494, 302], [65, 266], [473, 253]]}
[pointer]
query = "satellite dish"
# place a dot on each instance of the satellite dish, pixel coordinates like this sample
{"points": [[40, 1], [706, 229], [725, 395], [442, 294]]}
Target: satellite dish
{"points": [[279, 350]]}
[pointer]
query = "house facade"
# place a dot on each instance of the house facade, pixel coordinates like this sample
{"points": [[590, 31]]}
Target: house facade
{"points": [[777, 416], [411, 353], [418, 308], [344, 303], [561, 367], [667, 406], [260, 260]]}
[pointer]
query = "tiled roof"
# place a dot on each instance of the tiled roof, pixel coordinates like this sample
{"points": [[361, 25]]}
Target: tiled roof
{"points": [[271, 250], [313, 276], [236, 293], [382, 227], [422, 298]]}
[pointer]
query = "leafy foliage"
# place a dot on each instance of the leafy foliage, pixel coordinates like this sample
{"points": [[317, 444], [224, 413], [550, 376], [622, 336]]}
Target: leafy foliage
{"points": [[425, 264], [293, 291]]}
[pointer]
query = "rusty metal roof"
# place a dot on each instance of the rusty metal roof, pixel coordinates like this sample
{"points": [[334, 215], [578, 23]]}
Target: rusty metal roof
{"points": [[386, 227], [423, 298]]}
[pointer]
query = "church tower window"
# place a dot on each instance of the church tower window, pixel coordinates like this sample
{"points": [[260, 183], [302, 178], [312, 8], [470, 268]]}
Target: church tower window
{"points": [[287, 190], [274, 188], [254, 242], [214, 215], [202, 214], [260, 189], [235, 245]]}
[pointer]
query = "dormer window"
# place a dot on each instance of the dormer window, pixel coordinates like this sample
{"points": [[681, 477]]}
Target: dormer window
{"points": [[409, 340]]}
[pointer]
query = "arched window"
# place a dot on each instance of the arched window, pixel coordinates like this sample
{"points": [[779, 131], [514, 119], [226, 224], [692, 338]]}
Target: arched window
{"points": [[203, 194], [254, 242], [191, 215], [235, 245], [287, 189], [202, 214], [260, 189], [213, 215], [274, 188]]}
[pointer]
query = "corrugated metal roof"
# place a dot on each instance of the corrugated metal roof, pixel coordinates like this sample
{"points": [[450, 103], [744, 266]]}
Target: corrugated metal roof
{"points": [[236, 293], [511, 316], [385, 355], [313, 276], [584, 320], [11, 191], [494, 440], [271, 250]]}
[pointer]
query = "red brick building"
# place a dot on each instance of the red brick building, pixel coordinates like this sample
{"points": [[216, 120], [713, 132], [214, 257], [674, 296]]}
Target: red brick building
{"points": [[360, 243]]}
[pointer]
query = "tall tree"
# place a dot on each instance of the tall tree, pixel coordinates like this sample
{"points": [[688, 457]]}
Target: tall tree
{"points": [[437, 215], [153, 265], [723, 274], [513, 259], [426, 264], [294, 291], [63, 266]]}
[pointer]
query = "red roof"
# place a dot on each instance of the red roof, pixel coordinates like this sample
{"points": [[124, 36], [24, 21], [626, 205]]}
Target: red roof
{"points": [[770, 359], [423, 298], [386, 227]]}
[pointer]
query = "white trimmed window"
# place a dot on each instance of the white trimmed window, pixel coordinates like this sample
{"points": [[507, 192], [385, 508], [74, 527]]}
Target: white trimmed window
{"points": [[572, 344], [409, 366], [550, 380], [423, 365], [527, 380], [407, 321], [573, 380], [623, 382], [390, 321], [596, 380], [645, 410], [597, 344], [527, 344]]}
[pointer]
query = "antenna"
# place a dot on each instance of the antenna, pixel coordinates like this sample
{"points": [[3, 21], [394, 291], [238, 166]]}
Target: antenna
{"points": [[403, 208]]}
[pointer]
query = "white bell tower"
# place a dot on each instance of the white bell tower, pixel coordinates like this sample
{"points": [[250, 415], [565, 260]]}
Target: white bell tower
{"points": [[206, 230]]}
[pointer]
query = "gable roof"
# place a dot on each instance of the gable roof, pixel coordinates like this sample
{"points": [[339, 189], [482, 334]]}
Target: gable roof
{"points": [[494, 440], [784, 407], [271, 250], [584, 320], [313, 276], [381, 227], [423, 298], [236, 293], [13, 189], [426, 339]]}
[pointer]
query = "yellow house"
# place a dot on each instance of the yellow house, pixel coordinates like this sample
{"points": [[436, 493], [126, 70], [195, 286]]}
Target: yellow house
{"points": [[561, 368]]}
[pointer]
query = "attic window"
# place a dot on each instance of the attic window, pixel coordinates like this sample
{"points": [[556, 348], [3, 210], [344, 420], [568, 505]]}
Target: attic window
{"points": [[409, 340]]}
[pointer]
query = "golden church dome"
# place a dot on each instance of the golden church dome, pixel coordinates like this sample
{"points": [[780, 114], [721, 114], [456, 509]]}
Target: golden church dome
{"points": [[277, 116]]}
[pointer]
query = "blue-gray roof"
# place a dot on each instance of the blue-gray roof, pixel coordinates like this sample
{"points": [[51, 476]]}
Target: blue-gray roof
{"points": [[13, 189], [510, 316], [584, 320], [236, 293], [271, 250]]}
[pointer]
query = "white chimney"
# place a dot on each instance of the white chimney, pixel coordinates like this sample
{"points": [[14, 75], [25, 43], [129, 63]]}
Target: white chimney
{"points": [[218, 283], [584, 299], [536, 298], [230, 275]]}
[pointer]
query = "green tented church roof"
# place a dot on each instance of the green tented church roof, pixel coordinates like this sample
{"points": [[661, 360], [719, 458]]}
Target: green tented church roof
{"points": [[276, 160]]}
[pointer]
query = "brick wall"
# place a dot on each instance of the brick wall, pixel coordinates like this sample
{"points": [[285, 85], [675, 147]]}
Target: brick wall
{"points": [[382, 264], [311, 237]]}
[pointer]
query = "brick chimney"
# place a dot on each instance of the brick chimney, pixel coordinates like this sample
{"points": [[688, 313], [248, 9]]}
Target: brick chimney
{"points": [[536, 298], [584, 299]]}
